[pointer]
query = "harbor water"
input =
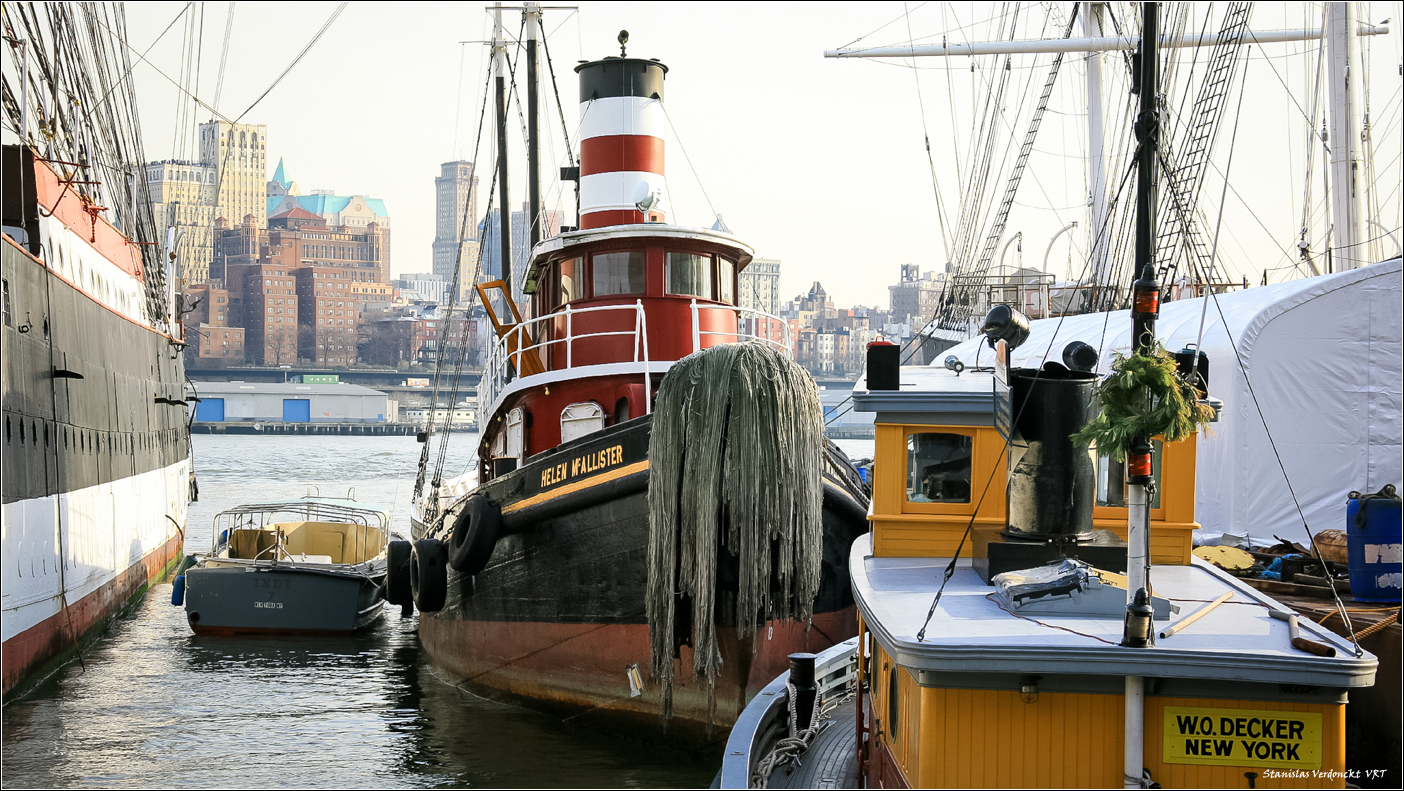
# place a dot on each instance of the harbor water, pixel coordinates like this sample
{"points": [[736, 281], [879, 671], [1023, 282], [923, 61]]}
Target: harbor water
{"points": [[153, 704]]}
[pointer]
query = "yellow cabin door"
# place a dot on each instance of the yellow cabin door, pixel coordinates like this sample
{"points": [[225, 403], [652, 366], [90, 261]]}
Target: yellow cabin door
{"points": [[327, 543]]}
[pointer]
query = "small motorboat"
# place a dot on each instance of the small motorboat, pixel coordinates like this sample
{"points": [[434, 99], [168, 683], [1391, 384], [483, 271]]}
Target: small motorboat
{"points": [[315, 565]]}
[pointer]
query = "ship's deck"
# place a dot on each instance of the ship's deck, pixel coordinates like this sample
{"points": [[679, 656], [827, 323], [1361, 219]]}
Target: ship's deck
{"points": [[971, 632], [830, 761]]}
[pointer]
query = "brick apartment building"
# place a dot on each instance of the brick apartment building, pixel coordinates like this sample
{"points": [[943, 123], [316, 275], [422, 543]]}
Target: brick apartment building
{"points": [[293, 291], [209, 337], [326, 317]]}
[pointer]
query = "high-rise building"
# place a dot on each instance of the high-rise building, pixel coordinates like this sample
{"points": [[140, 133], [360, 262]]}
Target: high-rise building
{"points": [[491, 250], [229, 181], [239, 154], [263, 298], [182, 198], [326, 319], [296, 237], [455, 198], [759, 286]]}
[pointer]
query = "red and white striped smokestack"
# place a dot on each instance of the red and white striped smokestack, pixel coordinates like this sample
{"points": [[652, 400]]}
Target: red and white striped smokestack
{"points": [[621, 142]]}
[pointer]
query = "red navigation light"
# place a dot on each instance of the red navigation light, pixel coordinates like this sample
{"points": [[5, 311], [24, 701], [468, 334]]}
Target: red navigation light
{"points": [[1145, 298], [1138, 465], [1147, 301]]}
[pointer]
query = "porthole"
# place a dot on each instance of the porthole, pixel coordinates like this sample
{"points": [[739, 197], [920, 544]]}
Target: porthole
{"points": [[892, 708]]}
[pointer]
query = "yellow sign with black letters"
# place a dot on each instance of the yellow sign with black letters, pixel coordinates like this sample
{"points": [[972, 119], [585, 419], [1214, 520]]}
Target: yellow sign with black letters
{"points": [[1242, 737], [582, 465]]}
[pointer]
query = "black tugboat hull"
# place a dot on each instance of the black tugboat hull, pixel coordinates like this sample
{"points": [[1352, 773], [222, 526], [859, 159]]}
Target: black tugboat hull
{"points": [[557, 619]]}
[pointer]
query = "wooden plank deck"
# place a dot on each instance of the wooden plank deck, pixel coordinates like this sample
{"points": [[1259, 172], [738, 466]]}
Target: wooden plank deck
{"points": [[830, 762]]}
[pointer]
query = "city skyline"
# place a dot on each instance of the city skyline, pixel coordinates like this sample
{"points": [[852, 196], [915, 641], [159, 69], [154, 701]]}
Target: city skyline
{"points": [[821, 163]]}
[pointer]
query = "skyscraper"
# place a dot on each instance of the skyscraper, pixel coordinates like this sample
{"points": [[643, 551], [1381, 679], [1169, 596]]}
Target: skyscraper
{"points": [[229, 181], [455, 197], [521, 243]]}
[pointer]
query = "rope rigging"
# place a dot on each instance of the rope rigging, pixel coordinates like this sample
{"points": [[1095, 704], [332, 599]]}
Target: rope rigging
{"points": [[84, 111], [957, 302], [431, 508]]}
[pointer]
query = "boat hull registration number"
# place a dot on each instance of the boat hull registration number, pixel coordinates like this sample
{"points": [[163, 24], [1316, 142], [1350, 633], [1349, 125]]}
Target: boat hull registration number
{"points": [[1242, 737]]}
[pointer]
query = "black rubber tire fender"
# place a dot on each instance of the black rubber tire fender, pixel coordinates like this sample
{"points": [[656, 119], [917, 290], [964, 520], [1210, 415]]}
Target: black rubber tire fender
{"points": [[397, 573], [474, 535], [429, 574]]}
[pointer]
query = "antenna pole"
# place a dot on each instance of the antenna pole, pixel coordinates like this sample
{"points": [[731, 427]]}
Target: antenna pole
{"points": [[504, 210], [531, 13]]}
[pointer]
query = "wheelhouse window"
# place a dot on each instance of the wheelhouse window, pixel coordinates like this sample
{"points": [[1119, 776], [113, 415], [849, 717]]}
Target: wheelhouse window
{"points": [[570, 286], [617, 273], [726, 280], [938, 468], [690, 274]]}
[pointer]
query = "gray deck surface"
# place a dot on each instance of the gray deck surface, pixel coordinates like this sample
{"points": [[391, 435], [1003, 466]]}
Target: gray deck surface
{"points": [[830, 761]]}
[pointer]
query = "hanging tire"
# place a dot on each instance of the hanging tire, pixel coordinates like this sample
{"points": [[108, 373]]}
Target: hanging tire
{"points": [[397, 573], [474, 535], [429, 574]]}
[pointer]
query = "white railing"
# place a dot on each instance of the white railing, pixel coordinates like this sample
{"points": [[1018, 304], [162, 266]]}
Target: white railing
{"points": [[744, 334], [505, 358]]}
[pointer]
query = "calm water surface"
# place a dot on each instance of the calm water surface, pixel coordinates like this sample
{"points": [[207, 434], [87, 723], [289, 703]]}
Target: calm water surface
{"points": [[154, 705]]}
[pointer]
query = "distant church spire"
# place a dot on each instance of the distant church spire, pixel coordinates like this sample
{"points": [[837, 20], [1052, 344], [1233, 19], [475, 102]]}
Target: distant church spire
{"points": [[281, 175]]}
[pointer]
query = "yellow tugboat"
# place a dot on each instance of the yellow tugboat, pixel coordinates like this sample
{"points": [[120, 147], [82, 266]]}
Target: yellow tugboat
{"points": [[1031, 613]]}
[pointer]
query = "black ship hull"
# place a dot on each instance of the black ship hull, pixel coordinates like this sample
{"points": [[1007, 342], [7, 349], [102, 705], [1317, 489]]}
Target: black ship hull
{"points": [[556, 618], [96, 472]]}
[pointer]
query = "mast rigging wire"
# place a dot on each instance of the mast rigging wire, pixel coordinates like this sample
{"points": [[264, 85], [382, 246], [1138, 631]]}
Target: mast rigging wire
{"points": [[224, 53], [926, 139], [432, 506], [305, 50]]}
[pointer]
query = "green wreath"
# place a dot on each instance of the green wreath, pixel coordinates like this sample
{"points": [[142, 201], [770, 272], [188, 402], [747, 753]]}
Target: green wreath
{"points": [[1143, 396]]}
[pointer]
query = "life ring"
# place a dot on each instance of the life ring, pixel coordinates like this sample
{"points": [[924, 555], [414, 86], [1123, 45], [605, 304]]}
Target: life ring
{"points": [[429, 574], [474, 535], [397, 573]]}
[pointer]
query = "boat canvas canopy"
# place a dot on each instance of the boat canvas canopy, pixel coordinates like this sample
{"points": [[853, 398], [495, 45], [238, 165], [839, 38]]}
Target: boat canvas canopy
{"points": [[1323, 356]]}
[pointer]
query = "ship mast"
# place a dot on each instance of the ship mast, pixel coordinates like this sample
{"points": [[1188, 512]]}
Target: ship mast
{"points": [[1347, 178], [504, 211], [1145, 296], [1101, 272], [531, 15]]}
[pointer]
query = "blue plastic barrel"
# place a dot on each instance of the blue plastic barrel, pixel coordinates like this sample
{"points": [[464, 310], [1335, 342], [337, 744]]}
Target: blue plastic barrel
{"points": [[1375, 545], [178, 591]]}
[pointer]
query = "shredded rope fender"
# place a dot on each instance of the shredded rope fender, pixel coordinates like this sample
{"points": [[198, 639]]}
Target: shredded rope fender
{"points": [[736, 460]]}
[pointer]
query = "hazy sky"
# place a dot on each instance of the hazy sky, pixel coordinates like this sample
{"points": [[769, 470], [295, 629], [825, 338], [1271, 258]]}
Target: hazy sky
{"points": [[817, 162]]}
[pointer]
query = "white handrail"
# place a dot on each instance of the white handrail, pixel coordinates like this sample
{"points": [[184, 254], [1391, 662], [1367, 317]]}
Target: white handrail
{"points": [[742, 314], [509, 351]]}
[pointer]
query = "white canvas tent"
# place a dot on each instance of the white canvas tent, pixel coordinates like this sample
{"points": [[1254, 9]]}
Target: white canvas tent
{"points": [[1323, 358]]}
